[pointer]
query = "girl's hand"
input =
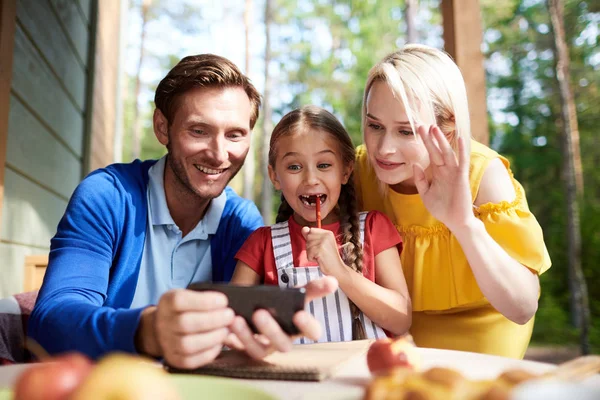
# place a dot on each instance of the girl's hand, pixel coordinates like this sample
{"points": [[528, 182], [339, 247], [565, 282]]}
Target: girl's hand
{"points": [[322, 248], [448, 195]]}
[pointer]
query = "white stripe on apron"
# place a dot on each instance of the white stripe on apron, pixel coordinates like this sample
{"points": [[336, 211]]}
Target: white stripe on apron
{"points": [[333, 311]]}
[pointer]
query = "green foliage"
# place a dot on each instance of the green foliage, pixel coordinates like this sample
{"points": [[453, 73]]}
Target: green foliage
{"points": [[330, 50], [179, 18], [519, 36], [151, 148], [552, 325]]}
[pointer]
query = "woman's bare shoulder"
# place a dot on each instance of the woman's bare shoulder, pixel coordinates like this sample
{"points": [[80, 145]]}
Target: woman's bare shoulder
{"points": [[496, 184]]}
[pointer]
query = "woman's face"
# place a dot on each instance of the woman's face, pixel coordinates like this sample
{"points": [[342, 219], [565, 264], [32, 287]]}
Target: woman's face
{"points": [[392, 146]]}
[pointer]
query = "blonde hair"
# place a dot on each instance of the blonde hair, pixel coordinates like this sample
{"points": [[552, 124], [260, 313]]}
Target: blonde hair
{"points": [[429, 85]]}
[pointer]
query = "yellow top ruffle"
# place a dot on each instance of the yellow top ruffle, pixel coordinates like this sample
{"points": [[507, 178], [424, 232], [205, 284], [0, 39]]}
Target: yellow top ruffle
{"points": [[438, 275], [449, 310]]}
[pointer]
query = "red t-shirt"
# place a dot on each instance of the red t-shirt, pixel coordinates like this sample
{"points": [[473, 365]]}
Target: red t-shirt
{"points": [[257, 251]]}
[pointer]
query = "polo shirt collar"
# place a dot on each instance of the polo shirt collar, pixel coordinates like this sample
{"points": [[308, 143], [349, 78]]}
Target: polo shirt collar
{"points": [[159, 211]]}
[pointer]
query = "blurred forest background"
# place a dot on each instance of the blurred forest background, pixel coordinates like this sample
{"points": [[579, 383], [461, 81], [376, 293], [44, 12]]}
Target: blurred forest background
{"points": [[319, 52]]}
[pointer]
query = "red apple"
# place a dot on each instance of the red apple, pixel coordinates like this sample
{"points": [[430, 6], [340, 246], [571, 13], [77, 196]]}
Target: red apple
{"points": [[386, 354], [55, 379]]}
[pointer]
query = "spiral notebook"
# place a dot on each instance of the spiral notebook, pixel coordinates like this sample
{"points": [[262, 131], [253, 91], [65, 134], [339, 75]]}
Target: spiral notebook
{"points": [[308, 362]]}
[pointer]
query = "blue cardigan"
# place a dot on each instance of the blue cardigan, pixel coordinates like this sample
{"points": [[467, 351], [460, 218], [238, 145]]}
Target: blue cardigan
{"points": [[95, 259]]}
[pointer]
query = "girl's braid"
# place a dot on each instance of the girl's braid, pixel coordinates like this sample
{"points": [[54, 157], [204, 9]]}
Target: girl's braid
{"points": [[352, 252]]}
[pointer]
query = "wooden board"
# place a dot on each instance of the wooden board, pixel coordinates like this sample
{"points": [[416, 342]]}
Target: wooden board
{"points": [[85, 7], [106, 79], [462, 40], [42, 27], [34, 271], [75, 25], [34, 213], [11, 280], [36, 86], [8, 11], [36, 153]]}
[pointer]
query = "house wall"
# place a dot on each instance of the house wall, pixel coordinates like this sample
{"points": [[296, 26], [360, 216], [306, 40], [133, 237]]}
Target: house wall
{"points": [[58, 128]]}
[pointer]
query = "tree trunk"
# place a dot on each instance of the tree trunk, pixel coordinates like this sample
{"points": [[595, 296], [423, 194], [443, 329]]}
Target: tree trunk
{"points": [[569, 112], [266, 204], [250, 159], [136, 143], [573, 178], [411, 23]]}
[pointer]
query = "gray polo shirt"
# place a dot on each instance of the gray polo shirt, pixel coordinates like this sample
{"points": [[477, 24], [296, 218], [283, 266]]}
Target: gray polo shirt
{"points": [[170, 261]]}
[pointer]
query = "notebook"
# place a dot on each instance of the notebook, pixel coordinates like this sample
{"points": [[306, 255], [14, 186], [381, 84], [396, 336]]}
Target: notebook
{"points": [[305, 362]]}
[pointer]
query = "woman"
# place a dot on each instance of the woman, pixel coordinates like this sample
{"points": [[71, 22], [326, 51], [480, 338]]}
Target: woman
{"points": [[473, 251]]}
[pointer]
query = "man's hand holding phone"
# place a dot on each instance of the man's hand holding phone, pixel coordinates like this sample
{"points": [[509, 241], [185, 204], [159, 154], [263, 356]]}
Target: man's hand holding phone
{"points": [[282, 303], [271, 336], [189, 328]]}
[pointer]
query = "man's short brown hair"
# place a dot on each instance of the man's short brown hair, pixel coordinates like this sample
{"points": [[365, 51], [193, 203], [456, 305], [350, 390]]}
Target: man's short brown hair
{"points": [[204, 70]]}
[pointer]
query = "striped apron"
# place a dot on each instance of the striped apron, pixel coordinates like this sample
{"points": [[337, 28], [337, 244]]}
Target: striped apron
{"points": [[333, 311]]}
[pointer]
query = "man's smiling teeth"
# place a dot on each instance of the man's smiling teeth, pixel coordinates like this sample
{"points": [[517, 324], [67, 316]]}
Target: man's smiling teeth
{"points": [[209, 171], [311, 199]]}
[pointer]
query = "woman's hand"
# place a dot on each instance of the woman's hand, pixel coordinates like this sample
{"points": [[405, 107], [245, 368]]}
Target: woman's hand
{"points": [[322, 248], [511, 288], [448, 195]]}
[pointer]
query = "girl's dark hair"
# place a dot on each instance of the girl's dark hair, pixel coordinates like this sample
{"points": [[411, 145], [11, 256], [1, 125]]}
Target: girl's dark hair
{"points": [[318, 121]]}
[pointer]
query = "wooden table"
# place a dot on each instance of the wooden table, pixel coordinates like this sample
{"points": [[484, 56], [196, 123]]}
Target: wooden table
{"points": [[353, 376], [349, 382]]}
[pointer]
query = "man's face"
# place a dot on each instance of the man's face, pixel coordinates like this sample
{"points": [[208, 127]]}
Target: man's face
{"points": [[207, 141]]}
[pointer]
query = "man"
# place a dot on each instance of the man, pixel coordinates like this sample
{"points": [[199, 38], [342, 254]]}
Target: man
{"points": [[134, 235]]}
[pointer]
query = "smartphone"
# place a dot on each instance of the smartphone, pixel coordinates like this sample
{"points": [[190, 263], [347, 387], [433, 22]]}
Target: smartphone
{"points": [[282, 303]]}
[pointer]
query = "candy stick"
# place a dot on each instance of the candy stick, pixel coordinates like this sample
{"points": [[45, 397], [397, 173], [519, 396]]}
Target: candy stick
{"points": [[318, 211]]}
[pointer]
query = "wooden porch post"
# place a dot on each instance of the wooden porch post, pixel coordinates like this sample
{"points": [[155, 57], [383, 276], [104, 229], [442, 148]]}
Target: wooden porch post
{"points": [[8, 12], [102, 85], [463, 36]]}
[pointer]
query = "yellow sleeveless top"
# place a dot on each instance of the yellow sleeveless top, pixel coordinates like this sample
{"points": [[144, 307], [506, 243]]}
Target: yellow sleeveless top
{"points": [[449, 310]]}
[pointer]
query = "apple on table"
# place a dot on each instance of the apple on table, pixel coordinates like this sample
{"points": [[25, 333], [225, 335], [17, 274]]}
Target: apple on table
{"points": [[53, 379], [390, 353], [121, 376], [74, 376]]}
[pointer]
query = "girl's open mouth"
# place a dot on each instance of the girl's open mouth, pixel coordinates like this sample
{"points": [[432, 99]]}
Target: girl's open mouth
{"points": [[310, 200]]}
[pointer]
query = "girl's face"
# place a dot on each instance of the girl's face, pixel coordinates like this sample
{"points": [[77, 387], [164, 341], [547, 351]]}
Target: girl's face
{"points": [[308, 167], [392, 146]]}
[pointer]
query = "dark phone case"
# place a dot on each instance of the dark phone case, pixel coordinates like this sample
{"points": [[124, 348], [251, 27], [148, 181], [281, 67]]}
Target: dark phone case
{"points": [[244, 300]]}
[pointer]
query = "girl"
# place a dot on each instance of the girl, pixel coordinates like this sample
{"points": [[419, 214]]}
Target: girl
{"points": [[472, 249], [311, 160]]}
